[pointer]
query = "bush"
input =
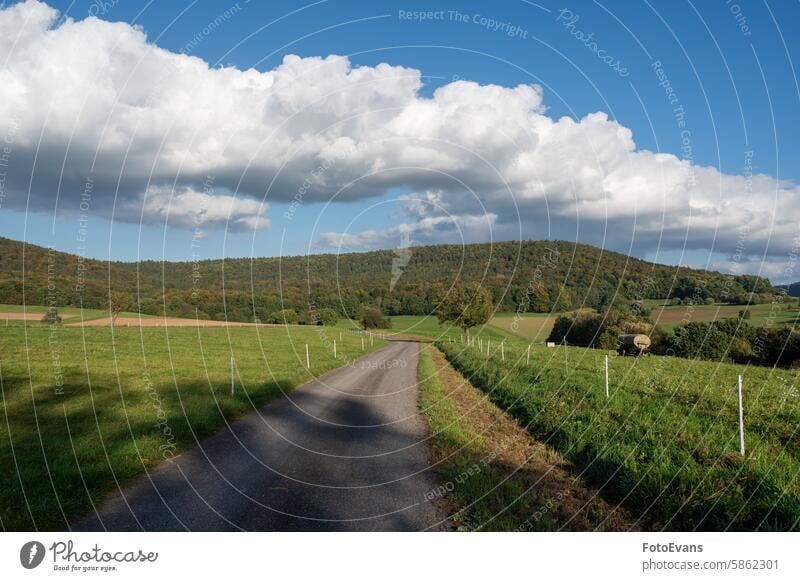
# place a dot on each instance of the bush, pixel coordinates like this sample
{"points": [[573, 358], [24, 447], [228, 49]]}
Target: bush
{"points": [[327, 317], [51, 317], [285, 317], [608, 340], [699, 341], [372, 318]]}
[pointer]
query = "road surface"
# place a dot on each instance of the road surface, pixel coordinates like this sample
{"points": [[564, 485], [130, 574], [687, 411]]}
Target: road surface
{"points": [[345, 452]]}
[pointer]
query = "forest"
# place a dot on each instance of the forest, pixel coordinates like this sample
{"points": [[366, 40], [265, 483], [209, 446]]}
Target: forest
{"points": [[528, 276]]}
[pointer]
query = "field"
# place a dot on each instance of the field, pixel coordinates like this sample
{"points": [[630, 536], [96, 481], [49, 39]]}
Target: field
{"points": [[88, 409], [12, 314], [532, 326], [429, 327], [669, 317], [664, 446]]}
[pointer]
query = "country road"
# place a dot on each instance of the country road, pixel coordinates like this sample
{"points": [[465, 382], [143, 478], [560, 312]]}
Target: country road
{"points": [[345, 452]]}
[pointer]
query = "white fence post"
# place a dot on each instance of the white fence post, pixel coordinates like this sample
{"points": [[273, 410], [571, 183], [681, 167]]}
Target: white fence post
{"points": [[362, 343], [308, 360], [606, 376], [502, 351], [741, 417], [334, 348], [566, 366], [488, 347], [528, 356], [233, 375]]}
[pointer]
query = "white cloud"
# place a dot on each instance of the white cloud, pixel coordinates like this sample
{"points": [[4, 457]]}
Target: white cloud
{"points": [[99, 100], [187, 208]]}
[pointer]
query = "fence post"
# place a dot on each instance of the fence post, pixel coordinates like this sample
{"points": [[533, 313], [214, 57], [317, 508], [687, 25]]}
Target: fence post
{"points": [[564, 344], [488, 347], [528, 357], [502, 350], [741, 417], [233, 375], [308, 360], [334, 348], [606, 376], [362, 343]]}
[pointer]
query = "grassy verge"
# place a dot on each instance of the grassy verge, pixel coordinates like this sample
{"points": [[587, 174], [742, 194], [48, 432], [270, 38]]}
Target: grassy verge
{"points": [[665, 444], [85, 410], [495, 476]]}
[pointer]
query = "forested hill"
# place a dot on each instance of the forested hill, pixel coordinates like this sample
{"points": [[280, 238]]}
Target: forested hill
{"points": [[529, 276]]}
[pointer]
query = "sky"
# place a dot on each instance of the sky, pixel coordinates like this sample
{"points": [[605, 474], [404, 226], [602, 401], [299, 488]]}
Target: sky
{"points": [[177, 131]]}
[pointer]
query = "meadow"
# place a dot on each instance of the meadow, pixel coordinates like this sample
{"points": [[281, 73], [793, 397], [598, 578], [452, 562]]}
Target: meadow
{"points": [[87, 410], [428, 327], [762, 314], [664, 446]]}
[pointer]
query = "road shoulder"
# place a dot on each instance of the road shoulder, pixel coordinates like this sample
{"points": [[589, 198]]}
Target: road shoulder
{"points": [[495, 476]]}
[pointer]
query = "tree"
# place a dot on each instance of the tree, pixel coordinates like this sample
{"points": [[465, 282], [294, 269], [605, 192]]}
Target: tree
{"points": [[372, 318], [51, 317], [285, 317], [561, 301], [539, 299], [327, 317], [465, 307], [117, 302]]}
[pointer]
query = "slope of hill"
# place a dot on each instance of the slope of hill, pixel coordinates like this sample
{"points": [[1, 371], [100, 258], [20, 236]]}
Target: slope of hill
{"points": [[530, 276], [793, 289]]}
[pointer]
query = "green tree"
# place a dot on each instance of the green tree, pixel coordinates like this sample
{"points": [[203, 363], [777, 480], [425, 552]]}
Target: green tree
{"points": [[561, 300], [466, 307], [327, 317], [539, 299], [285, 317]]}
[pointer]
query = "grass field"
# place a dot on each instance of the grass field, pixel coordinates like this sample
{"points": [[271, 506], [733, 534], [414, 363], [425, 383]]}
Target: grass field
{"points": [[669, 317], [532, 326], [495, 476], [85, 410], [430, 328], [665, 444]]}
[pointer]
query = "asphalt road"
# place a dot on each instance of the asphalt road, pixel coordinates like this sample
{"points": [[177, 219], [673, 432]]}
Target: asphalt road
{"points": [[345, 452]]}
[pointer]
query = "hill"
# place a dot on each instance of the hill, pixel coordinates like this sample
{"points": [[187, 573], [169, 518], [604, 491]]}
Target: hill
{"points": [[533, 276], [793, 289]]}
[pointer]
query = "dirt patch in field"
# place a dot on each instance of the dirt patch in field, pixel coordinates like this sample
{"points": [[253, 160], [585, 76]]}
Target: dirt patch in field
{"points": [[27, 316], [559, 496], [164, 322]]}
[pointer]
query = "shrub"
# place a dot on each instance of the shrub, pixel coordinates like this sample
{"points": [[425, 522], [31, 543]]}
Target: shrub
{"points": [[372, 318], [327, 317], [285, 317], [51, 317]]}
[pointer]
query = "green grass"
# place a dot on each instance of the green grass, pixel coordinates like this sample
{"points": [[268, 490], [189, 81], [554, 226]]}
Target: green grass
{"points": [[483, 491], [85, 409], [532, 326], [430, 328], [669, 317], [665, 445]]}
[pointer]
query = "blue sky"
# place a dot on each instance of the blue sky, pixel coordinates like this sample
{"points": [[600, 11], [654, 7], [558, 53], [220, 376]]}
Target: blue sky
{"points": [[729, 65]]}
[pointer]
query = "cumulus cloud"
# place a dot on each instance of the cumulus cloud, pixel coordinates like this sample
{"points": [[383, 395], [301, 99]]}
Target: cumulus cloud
{"points": [[427, 230], [188, 208], [90, 99]]}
